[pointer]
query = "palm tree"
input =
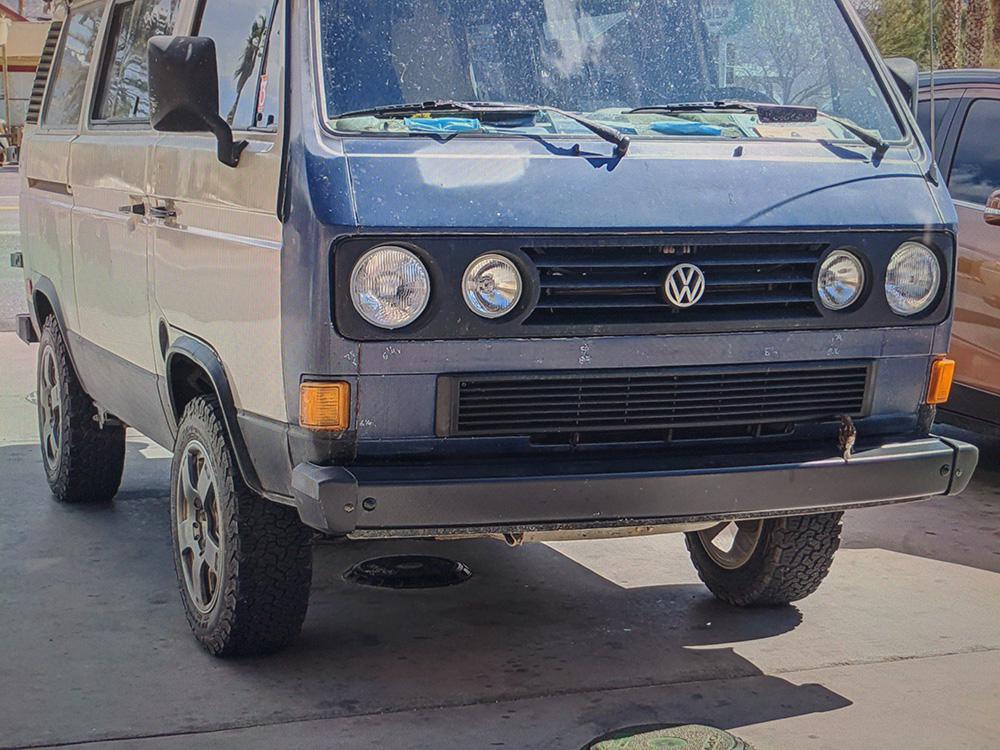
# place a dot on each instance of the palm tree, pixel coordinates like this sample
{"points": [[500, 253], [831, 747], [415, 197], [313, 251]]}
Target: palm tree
{"points": [[976, 19], [248, 62], [950, 33], [996, 27]]}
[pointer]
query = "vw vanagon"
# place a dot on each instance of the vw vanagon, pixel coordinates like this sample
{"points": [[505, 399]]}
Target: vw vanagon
{"points": [[521, 269]]}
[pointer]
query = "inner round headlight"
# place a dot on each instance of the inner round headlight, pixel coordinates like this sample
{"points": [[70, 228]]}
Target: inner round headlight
{"points": [[913, 279], [390, 287], [492, 286], [841, 280]]}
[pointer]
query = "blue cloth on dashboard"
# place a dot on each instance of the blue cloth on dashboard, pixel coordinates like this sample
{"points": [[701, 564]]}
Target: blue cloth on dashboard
{"points": [[686, 128], [443, 124]]}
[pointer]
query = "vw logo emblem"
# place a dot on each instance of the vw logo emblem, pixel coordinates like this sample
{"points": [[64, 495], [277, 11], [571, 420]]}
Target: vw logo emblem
{"points": [[685, 285]]}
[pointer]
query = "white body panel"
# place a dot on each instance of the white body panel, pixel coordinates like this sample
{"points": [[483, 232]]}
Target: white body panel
{"points": [[108, 173], [217, 266]]}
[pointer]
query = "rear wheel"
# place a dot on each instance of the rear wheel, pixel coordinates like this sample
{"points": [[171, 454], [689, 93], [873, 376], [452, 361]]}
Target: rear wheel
{"points": [[244, 564], [769, 562], [83, 460]]}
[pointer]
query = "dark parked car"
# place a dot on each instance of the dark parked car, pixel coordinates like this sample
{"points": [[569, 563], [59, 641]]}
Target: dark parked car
{"points": [[967, 114]]}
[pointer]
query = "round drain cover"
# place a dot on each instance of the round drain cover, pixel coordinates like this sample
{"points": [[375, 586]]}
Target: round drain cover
{"points": [[691, 737], [408, 572]]}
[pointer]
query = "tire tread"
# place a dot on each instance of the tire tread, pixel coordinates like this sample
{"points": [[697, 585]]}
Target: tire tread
{"points": [[793, 558], [93, 458], [268, 570]]}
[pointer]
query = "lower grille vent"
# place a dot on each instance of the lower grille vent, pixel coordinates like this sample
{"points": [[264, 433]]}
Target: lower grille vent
{"points": [[531, 404]]}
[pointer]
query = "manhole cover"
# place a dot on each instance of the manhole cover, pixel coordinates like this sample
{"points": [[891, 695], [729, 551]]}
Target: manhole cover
{"points": [[408, 572], [690, 737]]}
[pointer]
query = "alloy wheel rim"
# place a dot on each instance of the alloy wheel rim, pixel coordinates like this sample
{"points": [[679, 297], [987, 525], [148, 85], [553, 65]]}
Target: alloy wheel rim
{"points": [[732, 544], [199, 528], [50, 408]]}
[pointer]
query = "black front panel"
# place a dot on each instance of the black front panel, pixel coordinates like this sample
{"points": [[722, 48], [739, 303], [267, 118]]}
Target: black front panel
{"points": [[603, 285], [663, 400], [588, 286]]}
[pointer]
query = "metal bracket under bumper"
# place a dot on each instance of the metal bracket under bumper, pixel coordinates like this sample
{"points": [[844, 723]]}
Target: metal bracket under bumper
{"points": [[395, 500], [26, 329]]}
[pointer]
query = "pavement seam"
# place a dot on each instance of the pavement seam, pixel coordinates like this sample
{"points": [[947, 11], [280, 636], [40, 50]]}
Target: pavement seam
{"points": [[497, 702]]}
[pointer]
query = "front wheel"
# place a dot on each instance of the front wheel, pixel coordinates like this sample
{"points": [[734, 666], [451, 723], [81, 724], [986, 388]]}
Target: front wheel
{"points": [[770, 562], [244, 564]]}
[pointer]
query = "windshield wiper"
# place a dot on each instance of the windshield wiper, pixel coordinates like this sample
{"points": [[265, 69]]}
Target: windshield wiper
{"points": [[387, 111], [865, 136], [666, 109], [608, 133], [772, 113]]}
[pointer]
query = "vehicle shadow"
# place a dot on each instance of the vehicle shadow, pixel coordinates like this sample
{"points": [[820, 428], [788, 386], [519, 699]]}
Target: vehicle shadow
{"points": [[962, 530], [532, 637]]}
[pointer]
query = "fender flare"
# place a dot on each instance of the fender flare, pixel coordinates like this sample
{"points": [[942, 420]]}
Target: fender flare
{"points": [[206, 358], [43, 287]]}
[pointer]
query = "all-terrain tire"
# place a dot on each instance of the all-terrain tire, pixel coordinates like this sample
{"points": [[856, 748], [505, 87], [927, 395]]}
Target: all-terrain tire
{"points": [[792, 557], [83, 461], [265, 550]]}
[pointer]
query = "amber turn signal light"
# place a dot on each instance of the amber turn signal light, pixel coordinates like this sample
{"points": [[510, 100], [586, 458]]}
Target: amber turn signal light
{"points": [[325, 406], [942, 376]]}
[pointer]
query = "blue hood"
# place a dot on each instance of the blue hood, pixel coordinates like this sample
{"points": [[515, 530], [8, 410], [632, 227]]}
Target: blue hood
{"points": [[523, 184]]}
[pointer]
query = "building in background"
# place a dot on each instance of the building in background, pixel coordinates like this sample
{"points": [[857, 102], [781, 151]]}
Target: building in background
{"points": [[21, 44], [30, 9]]}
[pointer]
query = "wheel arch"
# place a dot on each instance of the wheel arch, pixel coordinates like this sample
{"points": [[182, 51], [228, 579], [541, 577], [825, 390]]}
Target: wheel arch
{"points": [[194, 369], [45, 302]]}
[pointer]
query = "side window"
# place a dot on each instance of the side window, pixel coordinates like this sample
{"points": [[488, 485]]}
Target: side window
{"points": [[924, 117], [123, 95], [240, 30], [975, 173], [69, 74]]}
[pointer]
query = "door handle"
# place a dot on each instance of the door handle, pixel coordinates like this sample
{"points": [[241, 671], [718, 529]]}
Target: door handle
{"points": [[135, 209], [162, 212]]}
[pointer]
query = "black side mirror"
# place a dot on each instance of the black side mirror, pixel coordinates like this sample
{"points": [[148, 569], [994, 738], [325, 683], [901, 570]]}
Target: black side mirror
{"points": [[906, 74], [992, 214], [184, 91]]}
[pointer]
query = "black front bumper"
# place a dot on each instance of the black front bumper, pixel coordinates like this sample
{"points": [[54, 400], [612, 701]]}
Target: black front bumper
{"points": [[474, 498]]}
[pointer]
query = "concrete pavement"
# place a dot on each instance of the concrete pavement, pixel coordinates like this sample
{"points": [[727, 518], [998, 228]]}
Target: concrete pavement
{"points": [[11, 279], [545, 647]]}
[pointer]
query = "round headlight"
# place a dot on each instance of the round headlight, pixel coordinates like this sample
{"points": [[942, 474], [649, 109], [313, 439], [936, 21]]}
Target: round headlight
{"points": [[492, 286], [913, 279], [841, 280], [390, 287]]}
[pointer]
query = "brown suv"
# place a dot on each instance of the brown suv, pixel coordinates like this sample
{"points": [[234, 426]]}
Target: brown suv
{"points": [[967, 116]]}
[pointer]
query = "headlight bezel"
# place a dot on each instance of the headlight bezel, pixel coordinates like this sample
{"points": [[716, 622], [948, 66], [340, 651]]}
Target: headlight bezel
{"points": [[421, 308], [933, 298]]}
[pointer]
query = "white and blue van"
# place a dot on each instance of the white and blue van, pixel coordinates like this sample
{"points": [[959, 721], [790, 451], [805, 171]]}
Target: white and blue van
{"points": [[523, 269]]}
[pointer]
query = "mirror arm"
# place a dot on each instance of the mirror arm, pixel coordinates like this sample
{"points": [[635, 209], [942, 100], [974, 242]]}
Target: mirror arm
{"points": [[230, 151]]}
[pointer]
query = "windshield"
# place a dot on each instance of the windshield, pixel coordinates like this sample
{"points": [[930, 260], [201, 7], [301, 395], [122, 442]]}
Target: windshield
{"points": [[601, 58]]}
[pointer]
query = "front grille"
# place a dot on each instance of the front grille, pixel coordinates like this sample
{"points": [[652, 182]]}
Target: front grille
{"points": [[531, 404], [595, 286]]}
